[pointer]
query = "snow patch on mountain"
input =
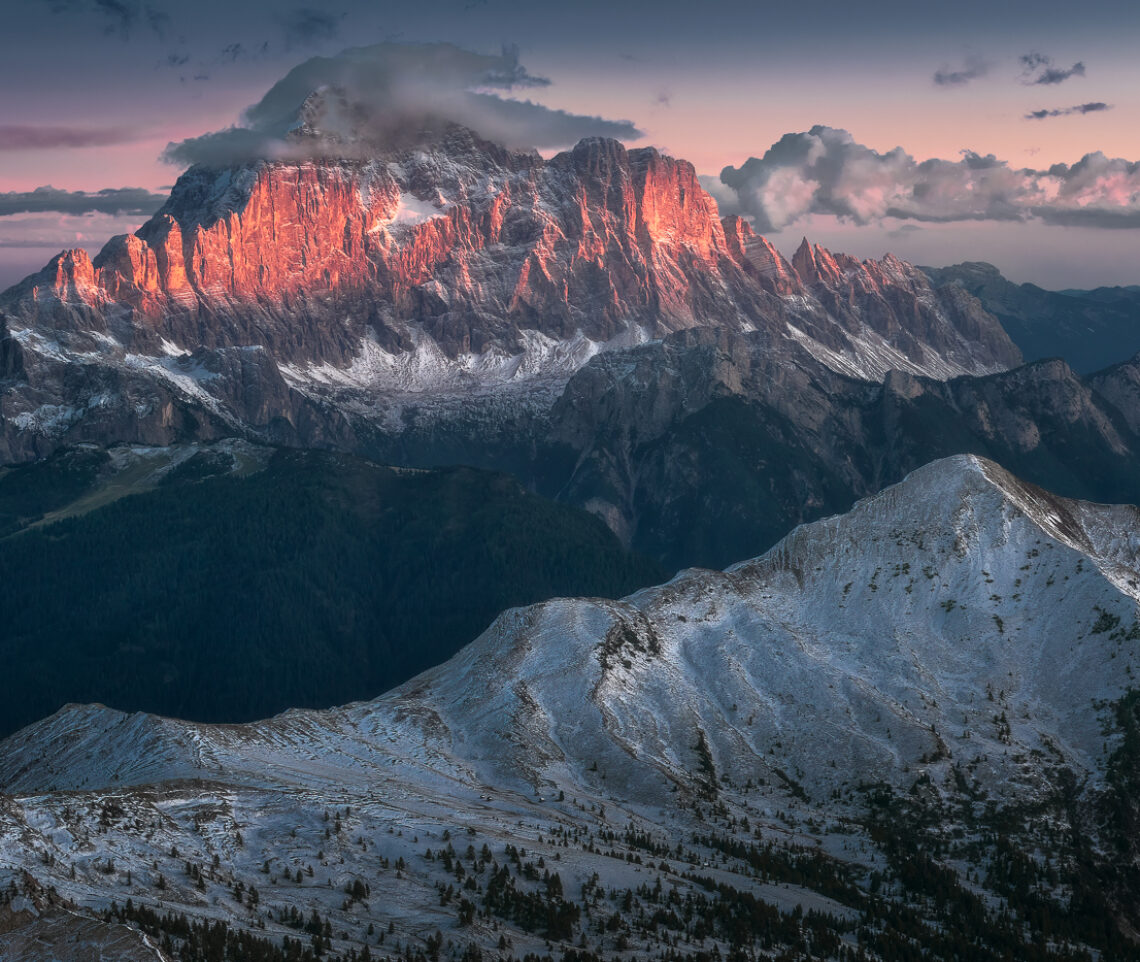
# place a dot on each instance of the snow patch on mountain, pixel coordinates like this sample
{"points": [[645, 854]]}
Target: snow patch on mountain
{"points": [[881, 630], [426, 367], [868, 356]]}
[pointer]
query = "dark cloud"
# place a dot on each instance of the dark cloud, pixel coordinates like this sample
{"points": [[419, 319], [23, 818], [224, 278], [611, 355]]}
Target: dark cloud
{"points": [[824, 171], [1090, 108], [972, 69], [512, 73], [369, 97], [35, 137], [120, 17], [1037, 69], [158, 21], [233, 52], [113, 200], [309, 26], [1055, 75]]}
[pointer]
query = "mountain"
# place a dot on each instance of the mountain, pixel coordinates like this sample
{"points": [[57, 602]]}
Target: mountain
{"points": [[327, 303], [909, 725], [227, 582], [585, 323], [706, 446], [1089, 329]]}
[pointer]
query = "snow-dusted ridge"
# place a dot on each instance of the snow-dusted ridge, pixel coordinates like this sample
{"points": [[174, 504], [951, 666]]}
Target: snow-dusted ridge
{"points": [[842, 592], [960, 628]]}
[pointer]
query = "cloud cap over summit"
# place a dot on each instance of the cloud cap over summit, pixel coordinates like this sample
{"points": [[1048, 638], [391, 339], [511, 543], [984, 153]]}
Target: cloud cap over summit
{"points": [[372, 94]]}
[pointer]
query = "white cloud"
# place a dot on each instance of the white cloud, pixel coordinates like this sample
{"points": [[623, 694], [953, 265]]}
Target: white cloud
{"points": [[825, 171]]}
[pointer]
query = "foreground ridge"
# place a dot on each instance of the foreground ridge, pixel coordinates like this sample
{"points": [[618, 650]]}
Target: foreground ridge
{"points": [[846, 742]]}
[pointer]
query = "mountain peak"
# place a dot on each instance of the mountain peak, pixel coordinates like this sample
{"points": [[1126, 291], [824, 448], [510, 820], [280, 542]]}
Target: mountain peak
{"points": [[451, 260], [966, 504], [947, 582]]}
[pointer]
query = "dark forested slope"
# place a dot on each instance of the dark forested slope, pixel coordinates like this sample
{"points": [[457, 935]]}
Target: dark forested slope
{"points": [[318, 579]]}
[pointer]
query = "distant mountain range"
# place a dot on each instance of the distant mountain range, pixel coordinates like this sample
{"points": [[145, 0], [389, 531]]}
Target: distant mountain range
{"points": [[586, 324], [702, 449], [1091, 330], [910, 725], [316, 424]]}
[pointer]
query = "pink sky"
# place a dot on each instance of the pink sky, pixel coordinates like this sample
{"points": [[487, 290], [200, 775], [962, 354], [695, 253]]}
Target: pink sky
{"points": [[715, 86]]}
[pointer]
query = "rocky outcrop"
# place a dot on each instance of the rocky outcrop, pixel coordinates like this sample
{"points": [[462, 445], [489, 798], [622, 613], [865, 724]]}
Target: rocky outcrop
{"points": [[468, 241]]}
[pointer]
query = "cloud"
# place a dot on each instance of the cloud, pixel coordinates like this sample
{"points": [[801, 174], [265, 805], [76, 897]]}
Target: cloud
{"points": [[1090, 108], [511, 73], [120, 17], [972, 69], [233, 52], [370, 97], [1037, 69], [308, 26], [825, 171], [115, 200], [36, 137]]}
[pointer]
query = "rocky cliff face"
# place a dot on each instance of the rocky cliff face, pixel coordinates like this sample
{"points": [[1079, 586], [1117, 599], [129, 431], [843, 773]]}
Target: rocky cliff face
{"points": [[709, 445], [309, 301], [467, 241]]}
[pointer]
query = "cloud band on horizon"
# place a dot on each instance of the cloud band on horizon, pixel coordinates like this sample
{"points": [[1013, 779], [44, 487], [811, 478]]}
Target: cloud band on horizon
{"points": [[1089, 108], [44, 136], [111, 200]]}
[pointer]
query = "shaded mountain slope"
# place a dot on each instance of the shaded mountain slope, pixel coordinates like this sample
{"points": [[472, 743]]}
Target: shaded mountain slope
{"points": [[242, 581], [1089, 329], [704, 447]]}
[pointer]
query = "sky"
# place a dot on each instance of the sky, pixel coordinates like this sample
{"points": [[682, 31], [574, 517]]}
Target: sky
{"points": [[970, 131]]}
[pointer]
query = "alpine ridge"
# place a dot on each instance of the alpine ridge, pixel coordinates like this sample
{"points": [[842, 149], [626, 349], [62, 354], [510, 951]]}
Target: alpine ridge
{"points": [[320, 302], [937, 680]]}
